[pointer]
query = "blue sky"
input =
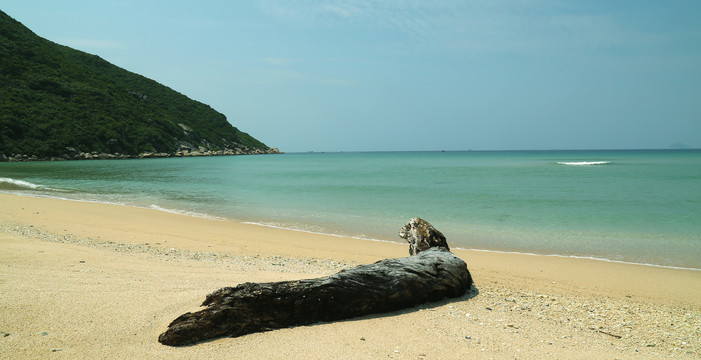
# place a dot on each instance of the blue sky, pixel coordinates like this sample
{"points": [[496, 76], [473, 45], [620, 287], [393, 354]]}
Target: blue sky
{"points": [[370, 75]]}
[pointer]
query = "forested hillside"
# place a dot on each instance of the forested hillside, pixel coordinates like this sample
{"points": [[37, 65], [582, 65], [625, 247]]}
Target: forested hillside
{"points": [[59, 102]]}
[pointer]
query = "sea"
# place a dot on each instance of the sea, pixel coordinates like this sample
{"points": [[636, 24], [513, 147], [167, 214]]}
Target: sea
{"points": [[637, 206]]}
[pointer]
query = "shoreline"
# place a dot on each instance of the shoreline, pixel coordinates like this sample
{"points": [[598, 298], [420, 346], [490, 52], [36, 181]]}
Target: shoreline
{"points": [[127, 272], [571, 214], [452, 247], [254, 223], [76, 155]]}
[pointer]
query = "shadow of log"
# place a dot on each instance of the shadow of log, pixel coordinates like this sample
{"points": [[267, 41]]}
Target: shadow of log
{"points": [[431, 274]]}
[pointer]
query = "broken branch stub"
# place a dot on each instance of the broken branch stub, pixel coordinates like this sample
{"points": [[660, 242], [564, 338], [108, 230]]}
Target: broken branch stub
{"points": [[421, 236]]}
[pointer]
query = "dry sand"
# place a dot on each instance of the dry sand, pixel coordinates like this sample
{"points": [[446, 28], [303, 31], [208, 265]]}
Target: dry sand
{"points": [[82, 280]]}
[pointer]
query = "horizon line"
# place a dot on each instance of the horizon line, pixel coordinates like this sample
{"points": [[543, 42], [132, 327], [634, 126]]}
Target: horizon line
{"points": [[485, 150]]}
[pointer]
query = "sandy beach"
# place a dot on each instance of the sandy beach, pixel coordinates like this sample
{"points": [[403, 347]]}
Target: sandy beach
{"points": [[97, 281]]}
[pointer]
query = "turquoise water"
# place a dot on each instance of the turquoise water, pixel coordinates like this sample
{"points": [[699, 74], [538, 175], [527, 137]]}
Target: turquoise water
{"points": [[635, 206]]}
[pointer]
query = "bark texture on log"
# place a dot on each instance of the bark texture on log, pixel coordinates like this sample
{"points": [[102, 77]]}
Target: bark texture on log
{"points": [[387, 285]]}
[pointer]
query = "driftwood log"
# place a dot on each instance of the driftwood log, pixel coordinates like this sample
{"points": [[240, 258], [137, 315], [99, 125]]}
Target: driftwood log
{"points": [[430, 274]]}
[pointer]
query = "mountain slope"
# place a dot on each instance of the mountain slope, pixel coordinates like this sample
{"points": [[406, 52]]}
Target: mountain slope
{"points": [[55, 100]]}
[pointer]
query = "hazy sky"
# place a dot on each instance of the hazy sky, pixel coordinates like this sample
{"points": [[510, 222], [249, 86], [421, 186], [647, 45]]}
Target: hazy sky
{"points": [[342, 75]]}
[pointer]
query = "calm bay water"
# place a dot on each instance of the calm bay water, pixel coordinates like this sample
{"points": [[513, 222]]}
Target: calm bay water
{"points": [[636, 206]]}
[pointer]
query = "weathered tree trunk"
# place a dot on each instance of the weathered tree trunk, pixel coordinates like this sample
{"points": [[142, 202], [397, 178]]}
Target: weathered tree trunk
{"points": [[387, 285]]}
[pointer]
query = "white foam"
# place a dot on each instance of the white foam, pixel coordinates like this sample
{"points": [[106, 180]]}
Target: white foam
{"points": [[152, 207], [580, 257], [186, 213], [19, 183], [292, 228], [583, 163], [26, 185]]}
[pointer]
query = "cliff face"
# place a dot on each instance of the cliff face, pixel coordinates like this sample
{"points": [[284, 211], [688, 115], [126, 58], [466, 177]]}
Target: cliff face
{"points": [[58, 102]]}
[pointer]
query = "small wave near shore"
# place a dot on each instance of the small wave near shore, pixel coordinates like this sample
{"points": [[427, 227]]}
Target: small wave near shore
{"points": [[12, 184]]}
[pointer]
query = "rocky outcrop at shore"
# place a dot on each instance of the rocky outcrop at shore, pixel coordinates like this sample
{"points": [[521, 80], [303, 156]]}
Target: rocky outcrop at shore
{"points": [[73, 154]]}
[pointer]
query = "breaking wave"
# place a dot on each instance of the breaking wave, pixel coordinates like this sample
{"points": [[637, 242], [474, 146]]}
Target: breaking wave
{"points": [[14, 184], [583, 163]]}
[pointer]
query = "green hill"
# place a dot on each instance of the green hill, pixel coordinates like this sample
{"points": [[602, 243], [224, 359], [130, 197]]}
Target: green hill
{"points": [[56, 101]]}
